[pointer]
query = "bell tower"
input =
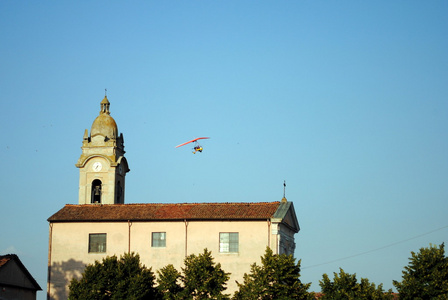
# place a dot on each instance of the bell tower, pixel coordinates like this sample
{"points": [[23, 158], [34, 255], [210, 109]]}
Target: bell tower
{"points": [[102, 165]]}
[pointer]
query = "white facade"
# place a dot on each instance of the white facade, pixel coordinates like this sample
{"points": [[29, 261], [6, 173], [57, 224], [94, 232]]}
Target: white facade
{"points": [[69, 245]]}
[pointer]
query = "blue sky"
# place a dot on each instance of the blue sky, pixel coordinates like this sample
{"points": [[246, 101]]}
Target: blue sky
{"points": [[345, 100]]}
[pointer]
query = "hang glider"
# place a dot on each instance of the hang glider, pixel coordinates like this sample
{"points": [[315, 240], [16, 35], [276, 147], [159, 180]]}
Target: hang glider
{"points": [[197, 147]]}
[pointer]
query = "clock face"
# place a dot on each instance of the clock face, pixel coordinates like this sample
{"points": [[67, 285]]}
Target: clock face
{"points": [[97, 166]]}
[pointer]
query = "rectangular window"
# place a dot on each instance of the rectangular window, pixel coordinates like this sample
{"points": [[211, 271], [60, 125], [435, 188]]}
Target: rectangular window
{"points": [[158, 239], [97, 242], [228, 242]]}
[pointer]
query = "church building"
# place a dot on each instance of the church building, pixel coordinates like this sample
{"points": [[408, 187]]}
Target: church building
{"points": [[101, 224]]}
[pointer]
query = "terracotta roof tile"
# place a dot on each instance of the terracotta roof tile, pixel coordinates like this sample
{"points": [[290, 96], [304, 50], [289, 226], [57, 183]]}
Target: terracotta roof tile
{"points": [[157, 212], [4, 260]]}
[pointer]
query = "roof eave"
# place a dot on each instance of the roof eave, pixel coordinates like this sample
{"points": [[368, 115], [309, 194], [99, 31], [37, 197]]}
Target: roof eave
{"points": [[155, 220]]}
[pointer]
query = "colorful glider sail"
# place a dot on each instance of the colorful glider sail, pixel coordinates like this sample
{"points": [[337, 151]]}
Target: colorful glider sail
{"points": [[197, 147], [192, 141]]}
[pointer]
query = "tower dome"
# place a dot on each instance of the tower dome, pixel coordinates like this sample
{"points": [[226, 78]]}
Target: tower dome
{"points": [[104, 124]]}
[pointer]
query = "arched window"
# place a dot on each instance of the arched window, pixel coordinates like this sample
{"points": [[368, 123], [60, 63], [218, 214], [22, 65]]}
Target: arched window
{"points": [[119, 193], [96, 191]]}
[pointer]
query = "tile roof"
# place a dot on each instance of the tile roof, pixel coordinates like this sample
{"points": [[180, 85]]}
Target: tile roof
{"points": [[166, 212], [5, 259]]}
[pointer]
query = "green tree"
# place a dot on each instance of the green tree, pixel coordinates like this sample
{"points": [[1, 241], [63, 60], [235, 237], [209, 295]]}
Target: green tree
{"points": [[426, 275], [276, 278], [168, 280], [113, 278], [346, 286], [201, 278]]}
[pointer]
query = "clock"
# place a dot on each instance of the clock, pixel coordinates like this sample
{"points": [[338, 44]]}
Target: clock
{"points": [[97, 166]]}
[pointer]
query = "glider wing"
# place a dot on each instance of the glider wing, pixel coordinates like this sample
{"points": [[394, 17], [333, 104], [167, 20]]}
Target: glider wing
{"points": [[192, 141]]}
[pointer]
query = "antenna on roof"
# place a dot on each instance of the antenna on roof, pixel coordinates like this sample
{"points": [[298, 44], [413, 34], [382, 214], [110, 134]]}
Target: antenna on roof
{"points": [[284, 191], [105, 92]]}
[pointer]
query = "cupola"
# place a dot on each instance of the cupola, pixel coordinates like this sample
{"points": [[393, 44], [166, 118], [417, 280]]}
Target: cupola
{"points": [[104, 124]]}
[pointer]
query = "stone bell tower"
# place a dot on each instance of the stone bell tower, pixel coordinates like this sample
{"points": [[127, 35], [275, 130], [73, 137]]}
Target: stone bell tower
{"points": [[102, 165]]}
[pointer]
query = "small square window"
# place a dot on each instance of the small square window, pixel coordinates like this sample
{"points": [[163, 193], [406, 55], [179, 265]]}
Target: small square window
{"points": [[228, 242], [97, 242], [158, 239]]}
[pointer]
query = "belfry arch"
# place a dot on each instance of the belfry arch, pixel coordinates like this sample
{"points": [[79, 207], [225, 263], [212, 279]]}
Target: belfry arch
{"points": [[97, 186]]}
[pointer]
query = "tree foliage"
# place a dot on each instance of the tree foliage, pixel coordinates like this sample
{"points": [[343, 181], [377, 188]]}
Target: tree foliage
{"points": [[426, 275], [169, 285], [113, 278], [201, 278], [276, 278], [346, 286]]}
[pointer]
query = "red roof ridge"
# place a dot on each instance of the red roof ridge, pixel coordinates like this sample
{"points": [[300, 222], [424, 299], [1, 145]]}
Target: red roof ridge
{"points": [[185, 203]]}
